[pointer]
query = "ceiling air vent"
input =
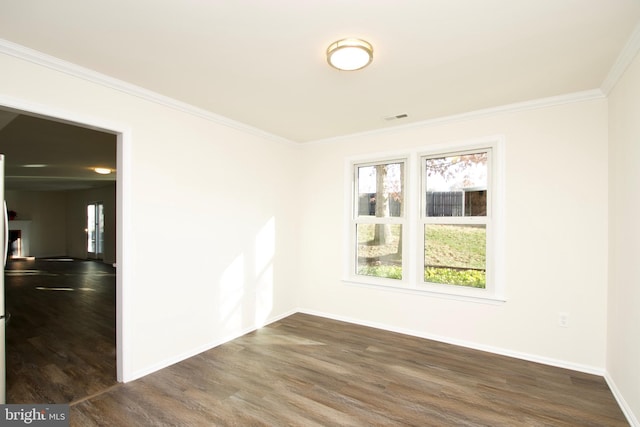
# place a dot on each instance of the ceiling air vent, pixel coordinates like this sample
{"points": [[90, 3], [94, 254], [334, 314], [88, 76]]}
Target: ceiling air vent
{"points": [[396, 117]]}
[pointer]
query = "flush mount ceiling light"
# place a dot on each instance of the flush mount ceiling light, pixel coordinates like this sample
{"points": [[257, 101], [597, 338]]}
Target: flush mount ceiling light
{"points": [[102, 171], [349, 54]]}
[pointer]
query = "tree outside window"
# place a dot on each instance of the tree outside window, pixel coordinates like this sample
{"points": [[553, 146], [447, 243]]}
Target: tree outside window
{"points": [[379, 219]]}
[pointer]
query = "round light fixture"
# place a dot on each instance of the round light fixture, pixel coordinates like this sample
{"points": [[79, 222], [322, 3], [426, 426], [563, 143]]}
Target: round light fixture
{"points": [[349, 54], [102, 171]]}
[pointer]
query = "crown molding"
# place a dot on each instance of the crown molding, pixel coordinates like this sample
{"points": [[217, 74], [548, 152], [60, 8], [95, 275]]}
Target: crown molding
{"points": [[587, 95], [51, 62], [625, 58]]}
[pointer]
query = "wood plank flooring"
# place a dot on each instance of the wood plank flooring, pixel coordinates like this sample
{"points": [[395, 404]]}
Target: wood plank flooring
{"points": [[310, 371], [299, 371], [60, 340]]}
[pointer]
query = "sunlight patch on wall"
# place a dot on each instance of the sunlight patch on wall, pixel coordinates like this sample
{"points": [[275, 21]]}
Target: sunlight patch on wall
{"points": [[264, 297], [232, 292], [265, 250], [265, 246], [246, 286]]}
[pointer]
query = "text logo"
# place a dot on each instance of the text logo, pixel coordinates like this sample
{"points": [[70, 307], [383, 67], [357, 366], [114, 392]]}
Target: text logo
{"points": [[34, 415]]}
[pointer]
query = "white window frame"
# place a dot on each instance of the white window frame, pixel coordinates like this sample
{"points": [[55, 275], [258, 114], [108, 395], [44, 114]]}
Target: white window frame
{"points": [[356, 219], [414, 220]]}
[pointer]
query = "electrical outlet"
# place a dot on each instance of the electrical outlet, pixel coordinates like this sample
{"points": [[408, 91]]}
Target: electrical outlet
{"points": [[563, 320]]}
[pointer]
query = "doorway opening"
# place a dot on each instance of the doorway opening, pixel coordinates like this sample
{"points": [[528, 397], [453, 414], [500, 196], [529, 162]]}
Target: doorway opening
{"points": [[108, 225]]}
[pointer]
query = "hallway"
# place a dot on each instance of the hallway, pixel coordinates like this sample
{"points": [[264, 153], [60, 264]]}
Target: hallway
{"points": [[60, 339]]}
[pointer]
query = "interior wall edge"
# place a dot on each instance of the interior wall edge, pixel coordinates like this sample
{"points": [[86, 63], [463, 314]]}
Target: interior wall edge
{"points": [[623, 61], [624, 406]]}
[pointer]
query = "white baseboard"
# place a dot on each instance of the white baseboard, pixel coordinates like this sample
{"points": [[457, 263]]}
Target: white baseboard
{"points": [[624, 406], [626, 409], [468, 344], [195, 351]]}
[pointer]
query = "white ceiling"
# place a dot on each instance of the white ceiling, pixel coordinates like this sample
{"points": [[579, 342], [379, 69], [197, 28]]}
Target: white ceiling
{"points": [[262, 63]]}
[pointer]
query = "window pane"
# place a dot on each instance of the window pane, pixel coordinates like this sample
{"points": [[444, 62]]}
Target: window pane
{"points": [[380, 190], [91, 228], [379, 250], [456, 185], [455, 254], [100, 230]]}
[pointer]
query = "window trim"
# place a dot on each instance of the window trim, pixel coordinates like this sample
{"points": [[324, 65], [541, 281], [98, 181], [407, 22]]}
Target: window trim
{"points": [[356, 219], [413, 245], [486, 220]]}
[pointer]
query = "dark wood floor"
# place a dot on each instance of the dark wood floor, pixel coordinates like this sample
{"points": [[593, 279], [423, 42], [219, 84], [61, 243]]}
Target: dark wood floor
{"points": [[310, 371], [60, 341], [300, 371]]}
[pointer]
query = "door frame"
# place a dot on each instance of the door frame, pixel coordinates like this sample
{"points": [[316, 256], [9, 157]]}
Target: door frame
{"points": [[123, 135], [4, 233]]}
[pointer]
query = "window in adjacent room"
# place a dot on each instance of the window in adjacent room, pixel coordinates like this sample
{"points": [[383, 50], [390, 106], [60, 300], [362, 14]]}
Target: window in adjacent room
{"points": [[95, 230]]}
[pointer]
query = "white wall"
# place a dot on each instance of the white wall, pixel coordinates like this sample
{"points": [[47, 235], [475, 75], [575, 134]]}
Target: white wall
{"points": [[208, 246], [556, 238], [47, 212], [623, 344], [58, 220]]}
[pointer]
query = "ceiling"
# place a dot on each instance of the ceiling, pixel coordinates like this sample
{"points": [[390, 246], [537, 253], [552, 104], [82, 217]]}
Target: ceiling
{"points": [[46, 155], [262, 63]]}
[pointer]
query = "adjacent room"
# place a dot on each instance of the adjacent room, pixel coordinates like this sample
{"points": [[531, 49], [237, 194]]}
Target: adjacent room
{"points": [[442, 234], [60, 275]]}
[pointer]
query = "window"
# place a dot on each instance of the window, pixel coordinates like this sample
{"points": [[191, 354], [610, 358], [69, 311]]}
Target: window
{"points": [[379, 219], [454, 218], [438, 229]]}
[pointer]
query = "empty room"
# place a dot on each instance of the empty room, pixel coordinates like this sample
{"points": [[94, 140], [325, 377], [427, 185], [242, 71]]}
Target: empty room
{"points": [[438, 230]]}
